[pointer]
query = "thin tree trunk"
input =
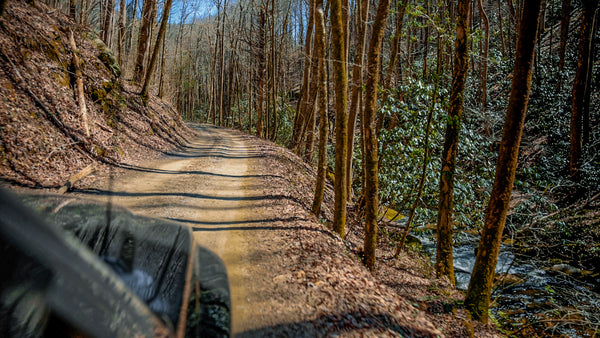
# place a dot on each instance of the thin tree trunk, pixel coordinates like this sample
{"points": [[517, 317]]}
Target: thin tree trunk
{"points": [[161, 83], [299, 121], [340, 79], [83, 14], [370, 156], [426, 42], [564, 34], [222, 64], [395, 44], [79, 84], [511, 28], [580, 85], [357, 82], [131, 25], [261, 72], [161, 35], [273, 72], [480, 286], [589, 89], [486, 50], [72, 8], [501, 26], [121, 43], [444, 257], [108, 12], [319, 57], [310, 115], [148, 18], [213, 80]]}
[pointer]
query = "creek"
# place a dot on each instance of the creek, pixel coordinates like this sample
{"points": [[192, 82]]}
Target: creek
{"points": [[531, 298]]}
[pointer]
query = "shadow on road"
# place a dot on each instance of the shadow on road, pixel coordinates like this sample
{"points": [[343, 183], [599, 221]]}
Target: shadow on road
{"points": [[187, 172], [333, 324], [103, 192]]}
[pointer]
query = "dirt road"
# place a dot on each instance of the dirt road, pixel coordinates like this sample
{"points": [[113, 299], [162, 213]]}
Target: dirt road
{"points": [[206, 185]]}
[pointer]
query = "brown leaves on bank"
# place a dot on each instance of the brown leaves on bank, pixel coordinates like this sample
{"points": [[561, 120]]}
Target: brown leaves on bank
{"points": [[43, 140]]}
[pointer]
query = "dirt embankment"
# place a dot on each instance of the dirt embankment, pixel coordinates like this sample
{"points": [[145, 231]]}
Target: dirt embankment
{"points": [[42, 133]]}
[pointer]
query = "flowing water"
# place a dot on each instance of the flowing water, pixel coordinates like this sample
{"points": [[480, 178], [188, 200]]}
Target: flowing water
{"points": [[533, 300]]}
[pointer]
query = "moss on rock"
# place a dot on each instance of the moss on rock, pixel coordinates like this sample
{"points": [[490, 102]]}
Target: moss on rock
{"points": [[105, 54]]}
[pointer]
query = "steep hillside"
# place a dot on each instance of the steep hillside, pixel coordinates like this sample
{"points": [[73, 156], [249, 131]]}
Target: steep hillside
{"points": [[43, 137]]}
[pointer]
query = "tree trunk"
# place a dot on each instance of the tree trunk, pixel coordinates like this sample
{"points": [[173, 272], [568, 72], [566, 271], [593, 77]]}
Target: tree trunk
{"points": [[121, 43], [444, 264], [79, 84], [580, 84], [588, 91], [370, 155], [261, 72], [72, 8], [340, 79], [83, 13], [319, 57], [161, 35], [161, 82], [299, 121], [480, 286], [511, 28], [564, 34], [132, 15], [213, 81], [357, 82], [148, 18], [108, 12], [486, 50], [308, 139], [501, 27], [395, 44], [426, 42], [222, 64]]}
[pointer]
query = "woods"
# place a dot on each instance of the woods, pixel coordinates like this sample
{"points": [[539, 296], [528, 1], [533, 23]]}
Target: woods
{"points": [[477, 119]]}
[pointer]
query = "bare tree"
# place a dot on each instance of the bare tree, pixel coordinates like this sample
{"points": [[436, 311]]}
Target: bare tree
{"points": [[108, 14], [357, 82], [323, 118], [564, 32], [161, 35], [122, 27], [370, 136], [340, 80], [148, 18], [444, 257], [581, 84], [480, 285]]}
